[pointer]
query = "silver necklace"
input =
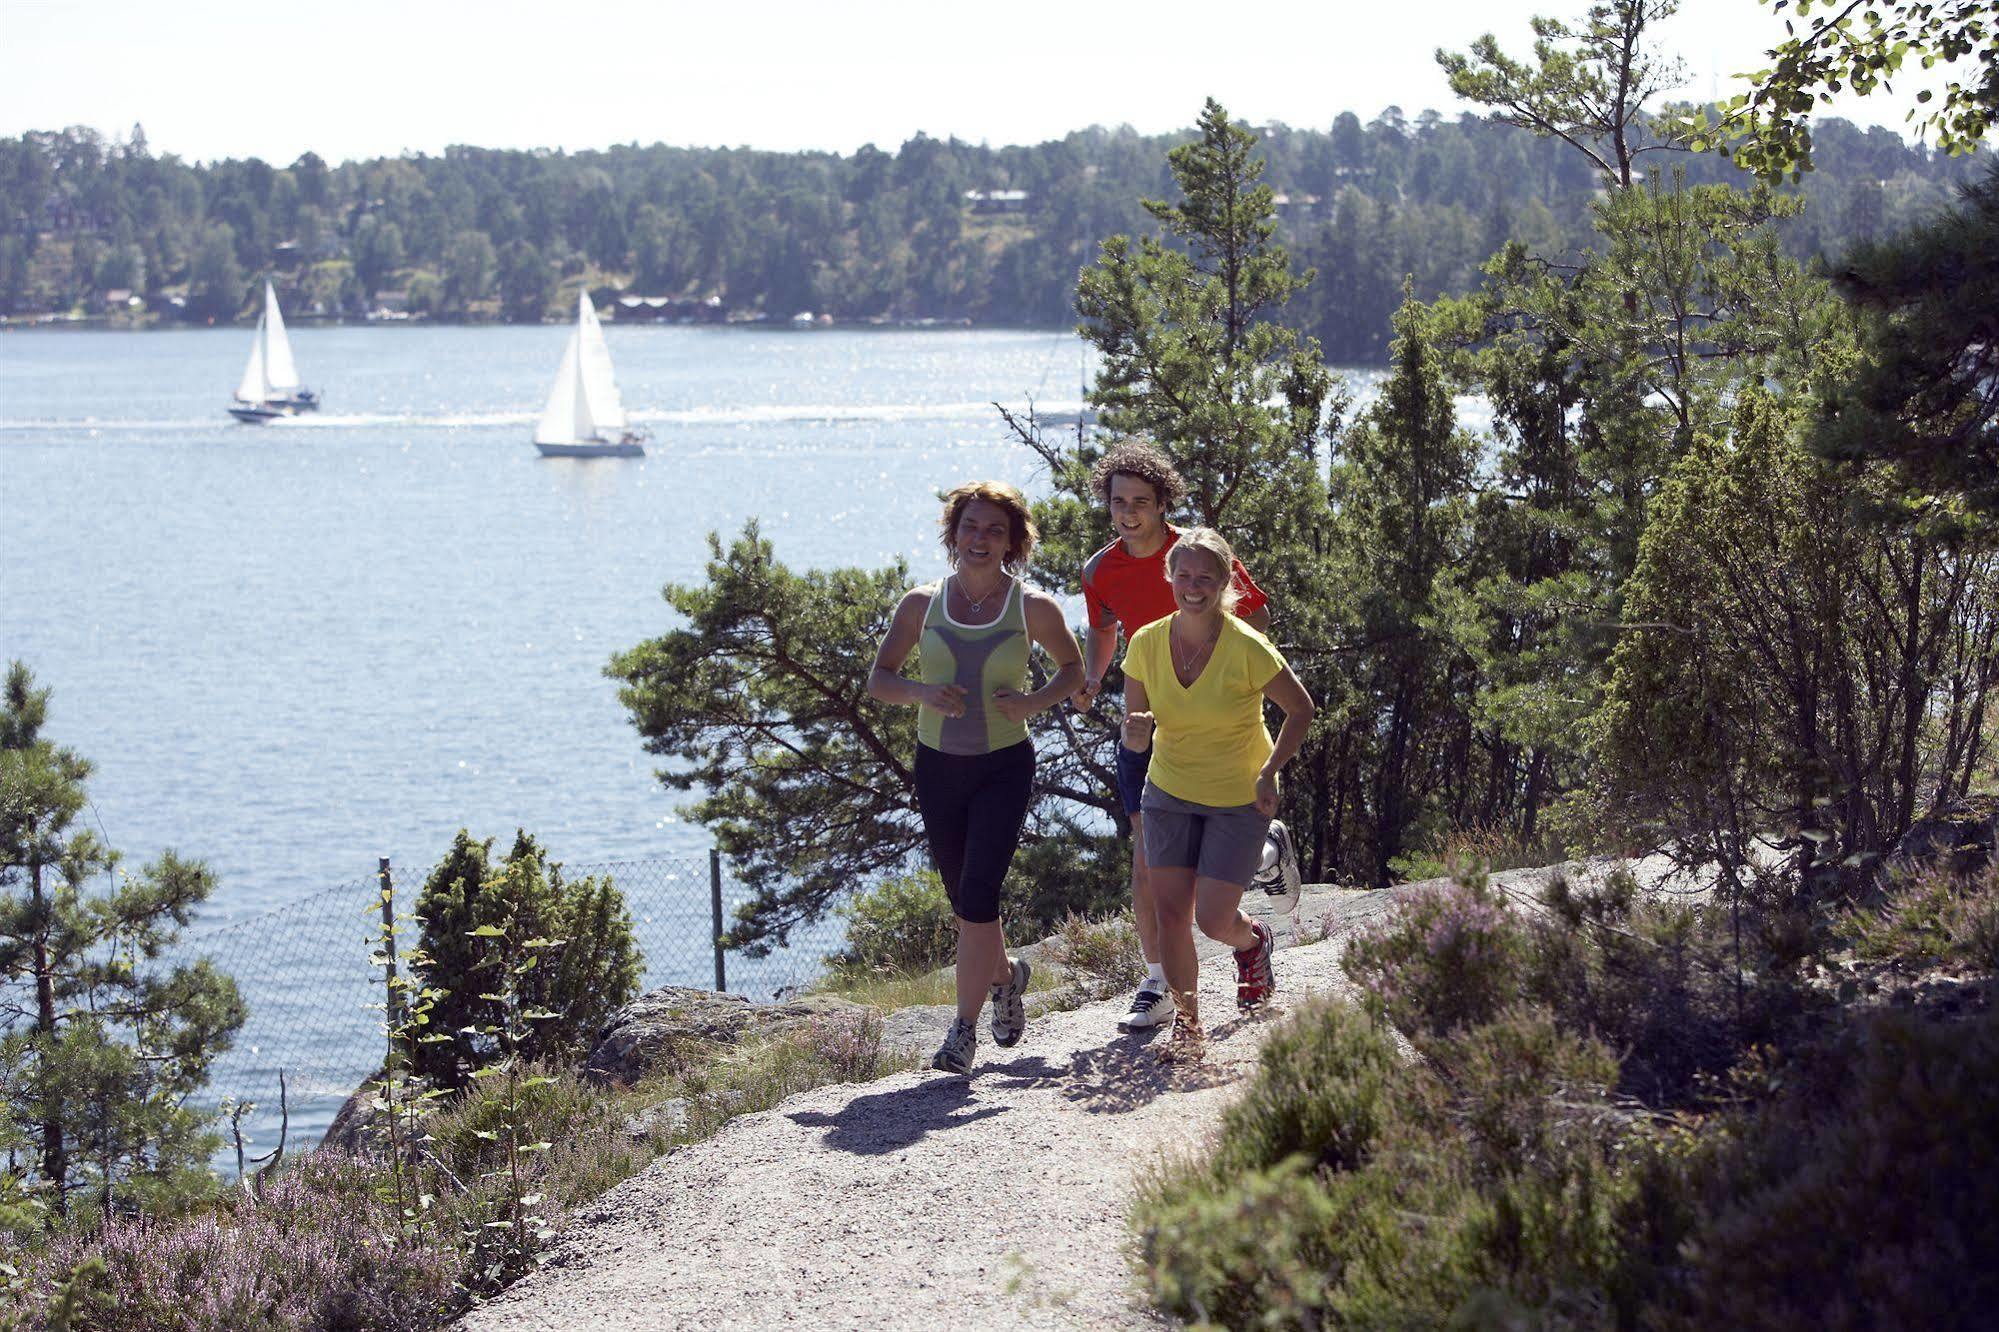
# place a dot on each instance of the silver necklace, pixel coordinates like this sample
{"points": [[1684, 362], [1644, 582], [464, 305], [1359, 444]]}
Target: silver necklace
{"points": [[1200, 650], [980, 604]]}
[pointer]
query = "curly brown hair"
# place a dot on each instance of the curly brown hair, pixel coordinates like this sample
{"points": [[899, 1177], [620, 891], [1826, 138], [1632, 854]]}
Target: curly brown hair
{"points": [[1145, 460], [1022, 533]]}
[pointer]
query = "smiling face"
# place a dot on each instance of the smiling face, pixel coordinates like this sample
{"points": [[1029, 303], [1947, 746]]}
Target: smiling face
{"points": [[983, 537], [1198, 581], [1135, 513]]}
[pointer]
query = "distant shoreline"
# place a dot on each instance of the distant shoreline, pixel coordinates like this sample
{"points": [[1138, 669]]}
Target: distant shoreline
{"points": [[107, 324]]}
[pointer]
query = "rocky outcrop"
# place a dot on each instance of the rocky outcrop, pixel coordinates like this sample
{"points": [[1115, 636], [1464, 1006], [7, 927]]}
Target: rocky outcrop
{"points": [[673, 1027], [1958, 837], [358, 1127], [676, 1025]]}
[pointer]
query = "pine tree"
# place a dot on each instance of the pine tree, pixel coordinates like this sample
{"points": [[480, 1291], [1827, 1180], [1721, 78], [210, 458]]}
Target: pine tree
{"points": [[592, 971], [99, 1067], [1195, 359]]}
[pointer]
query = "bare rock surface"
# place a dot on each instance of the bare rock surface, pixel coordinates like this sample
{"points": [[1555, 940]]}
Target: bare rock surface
{"points": [[669, 1024]]}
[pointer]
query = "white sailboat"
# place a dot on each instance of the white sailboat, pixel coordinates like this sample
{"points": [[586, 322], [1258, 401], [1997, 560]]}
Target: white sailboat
{"points": [[584, 417], [270, 386]]}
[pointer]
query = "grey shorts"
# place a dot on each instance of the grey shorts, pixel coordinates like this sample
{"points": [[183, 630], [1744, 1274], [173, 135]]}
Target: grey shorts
{"points": [[1215, 841]]}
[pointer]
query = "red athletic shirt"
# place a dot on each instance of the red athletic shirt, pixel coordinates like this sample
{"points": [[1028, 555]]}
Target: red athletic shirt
{"points": [[1121, 589]]}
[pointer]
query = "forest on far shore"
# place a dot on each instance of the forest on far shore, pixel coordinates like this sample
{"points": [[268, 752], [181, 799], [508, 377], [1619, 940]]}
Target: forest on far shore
{"points": [[937, 229]]}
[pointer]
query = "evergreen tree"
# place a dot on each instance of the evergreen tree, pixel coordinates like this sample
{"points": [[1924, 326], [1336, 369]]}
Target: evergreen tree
{"points": [[215, 283], [100, 1063], [526, 284], [572, 991], [761, 701], [1794, 668], [1194, 359], [1923, 395], [1401, 490]]}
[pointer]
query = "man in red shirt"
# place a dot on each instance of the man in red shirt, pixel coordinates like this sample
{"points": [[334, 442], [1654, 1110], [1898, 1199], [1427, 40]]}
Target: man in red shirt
{"points": [[1125, 587]]}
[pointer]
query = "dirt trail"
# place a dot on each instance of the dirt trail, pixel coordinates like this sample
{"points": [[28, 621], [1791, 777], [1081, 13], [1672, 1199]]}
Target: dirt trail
{"points": [[921, 1200]]}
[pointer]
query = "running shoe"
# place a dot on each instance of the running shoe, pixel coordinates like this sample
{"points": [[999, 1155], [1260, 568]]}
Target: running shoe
{"points": [[960, 1045], [1149, 1008], [1275, 889], [1187, 1044], [1010, 1004], [1254, 981]]}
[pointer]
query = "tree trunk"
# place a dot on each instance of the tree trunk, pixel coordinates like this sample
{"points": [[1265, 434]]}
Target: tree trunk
{"points": [[55, 1156]]}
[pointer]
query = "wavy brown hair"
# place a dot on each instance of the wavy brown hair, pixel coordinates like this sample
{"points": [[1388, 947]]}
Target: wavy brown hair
{"points": [[1021, 536], [1145, 460]]}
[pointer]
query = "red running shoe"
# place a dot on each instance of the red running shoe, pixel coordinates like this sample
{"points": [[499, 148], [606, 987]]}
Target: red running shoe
{"points": [[1254, 981]]}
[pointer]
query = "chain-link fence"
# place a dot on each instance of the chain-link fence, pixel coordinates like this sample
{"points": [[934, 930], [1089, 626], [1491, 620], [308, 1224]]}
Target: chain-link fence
{"points": [[316, 1000]]}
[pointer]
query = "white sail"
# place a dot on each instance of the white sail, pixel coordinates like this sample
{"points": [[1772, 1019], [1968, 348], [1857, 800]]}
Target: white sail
{"points": [[606, 409], [255, 388], [280, 374], [558, 424]]}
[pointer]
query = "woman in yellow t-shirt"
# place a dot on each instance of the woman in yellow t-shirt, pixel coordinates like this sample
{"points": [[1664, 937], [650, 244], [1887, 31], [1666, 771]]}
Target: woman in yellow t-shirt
{"points": [[1194, 689]]}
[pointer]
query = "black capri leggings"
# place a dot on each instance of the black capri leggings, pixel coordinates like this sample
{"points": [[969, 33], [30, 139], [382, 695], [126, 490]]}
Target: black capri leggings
{"points": [[973, 806]]}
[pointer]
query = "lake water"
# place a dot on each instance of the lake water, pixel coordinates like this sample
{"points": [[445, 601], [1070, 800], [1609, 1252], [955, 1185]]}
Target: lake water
{"points": [[292, 649]]}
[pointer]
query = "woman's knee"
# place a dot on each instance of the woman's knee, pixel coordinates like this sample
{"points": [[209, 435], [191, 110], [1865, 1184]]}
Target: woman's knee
{"points": [[1216, 919]]}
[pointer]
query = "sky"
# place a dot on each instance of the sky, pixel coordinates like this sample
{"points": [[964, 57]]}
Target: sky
{"points": [[363, 78]]}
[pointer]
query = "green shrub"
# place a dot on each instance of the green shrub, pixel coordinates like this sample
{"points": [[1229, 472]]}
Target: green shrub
{"points": [[594, 972], [1933, 918], [1443, 957], [1860, 1191], [1075, 873], [1263, 1248], [1350, 1188], [1516, 1092], [1652, 979], [900, 926], [1490, 847], [1100, 958], [1319, 1091]]}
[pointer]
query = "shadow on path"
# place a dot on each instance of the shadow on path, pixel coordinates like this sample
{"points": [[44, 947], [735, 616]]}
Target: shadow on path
{"points": [[890, 1121]]}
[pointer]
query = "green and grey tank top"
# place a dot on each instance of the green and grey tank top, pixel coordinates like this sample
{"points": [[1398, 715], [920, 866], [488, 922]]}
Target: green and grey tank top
{"points": [[978, 658]]}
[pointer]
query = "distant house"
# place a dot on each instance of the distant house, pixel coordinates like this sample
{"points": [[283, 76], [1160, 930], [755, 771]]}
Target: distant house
{"points": [[996, 201], [1296, 209], [668, 309], [120, 299]]}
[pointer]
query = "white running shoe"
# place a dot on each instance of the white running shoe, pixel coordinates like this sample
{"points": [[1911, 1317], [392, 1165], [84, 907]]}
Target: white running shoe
{"points": [[1149, 1008], [1008, 1004], [1277, 886], [961, 1046]]}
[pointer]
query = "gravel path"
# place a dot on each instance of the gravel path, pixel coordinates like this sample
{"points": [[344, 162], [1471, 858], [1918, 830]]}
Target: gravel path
{"points": [[922, 1200]]}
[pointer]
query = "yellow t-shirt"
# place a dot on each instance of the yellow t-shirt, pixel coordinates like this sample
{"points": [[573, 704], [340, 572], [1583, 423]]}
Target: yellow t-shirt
{"points": [[1208, 740]]}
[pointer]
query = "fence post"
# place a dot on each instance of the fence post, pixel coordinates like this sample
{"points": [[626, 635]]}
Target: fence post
{"points": [[394, 1009], [715, 907]]}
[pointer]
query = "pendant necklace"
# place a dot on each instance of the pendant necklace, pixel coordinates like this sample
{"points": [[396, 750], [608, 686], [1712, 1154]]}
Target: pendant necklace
{"points": [[1186, 667], [966, 593]]}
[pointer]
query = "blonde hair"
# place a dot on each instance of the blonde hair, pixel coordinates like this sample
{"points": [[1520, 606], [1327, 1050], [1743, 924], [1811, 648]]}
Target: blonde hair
{"points": [[1021, 534], [1216, 547]]}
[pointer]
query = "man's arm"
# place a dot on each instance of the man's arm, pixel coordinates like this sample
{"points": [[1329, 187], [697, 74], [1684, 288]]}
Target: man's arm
{"points": [[1099, 646], [1254, 607]]}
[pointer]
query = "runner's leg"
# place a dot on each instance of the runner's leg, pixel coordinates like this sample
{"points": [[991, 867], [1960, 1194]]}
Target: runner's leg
{"points": [[1173, 900], [1145, 915], [997, 808], [1218, 911]]}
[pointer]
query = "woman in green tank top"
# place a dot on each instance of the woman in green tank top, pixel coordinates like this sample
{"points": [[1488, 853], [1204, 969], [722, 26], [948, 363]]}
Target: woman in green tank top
{"points": [[974, 766]]}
